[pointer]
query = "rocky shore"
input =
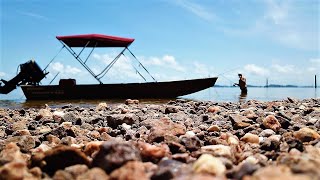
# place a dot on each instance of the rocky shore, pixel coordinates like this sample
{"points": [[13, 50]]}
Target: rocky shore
{"points": [[181, 139]]}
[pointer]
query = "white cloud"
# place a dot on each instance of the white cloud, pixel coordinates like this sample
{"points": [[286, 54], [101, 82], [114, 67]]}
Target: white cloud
{"points": [[283, 68], [256, 70], [33, 15], [2, 74], [65, 71], [283, 22], [167, 61], [196, 9]]}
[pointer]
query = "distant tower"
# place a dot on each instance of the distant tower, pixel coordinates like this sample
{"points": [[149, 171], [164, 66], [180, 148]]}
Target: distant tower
{"points": [[267, 83], [315, 81]]}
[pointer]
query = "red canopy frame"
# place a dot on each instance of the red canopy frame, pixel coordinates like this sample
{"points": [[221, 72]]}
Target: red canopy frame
{"points": [[93, 41]]}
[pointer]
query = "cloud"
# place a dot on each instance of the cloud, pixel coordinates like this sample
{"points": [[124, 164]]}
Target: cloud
{"points": [[284, 22], [196, 9], [256, 70], [64, 70], [283, 68], [166, 61], [2, 74], [33, 15], [314, 65]]}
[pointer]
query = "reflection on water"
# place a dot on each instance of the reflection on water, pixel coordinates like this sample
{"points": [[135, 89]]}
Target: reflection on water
{"points": [[243, 97]]}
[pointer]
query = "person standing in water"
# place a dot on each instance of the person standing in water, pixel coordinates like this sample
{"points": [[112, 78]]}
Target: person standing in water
{"points": [[242, 84]]}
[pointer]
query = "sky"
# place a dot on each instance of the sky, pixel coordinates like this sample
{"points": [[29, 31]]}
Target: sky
{"points": [[174, 39]]}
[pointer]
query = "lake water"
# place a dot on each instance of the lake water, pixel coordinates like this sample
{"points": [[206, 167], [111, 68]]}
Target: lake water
{"points": [[215, 94]]}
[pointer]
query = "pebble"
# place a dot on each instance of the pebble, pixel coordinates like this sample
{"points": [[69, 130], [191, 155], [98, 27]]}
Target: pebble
{"points": [[207, 163], [306, 134], [181, 139], [213, 128], [271, 122], [250, 138], [114, 154]]}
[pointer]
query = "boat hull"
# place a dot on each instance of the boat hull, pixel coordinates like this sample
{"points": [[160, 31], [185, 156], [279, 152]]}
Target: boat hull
{"points": [[170, 89]]}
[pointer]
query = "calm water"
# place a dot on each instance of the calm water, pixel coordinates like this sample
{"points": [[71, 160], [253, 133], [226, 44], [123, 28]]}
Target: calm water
{"points": [[216, 94]]}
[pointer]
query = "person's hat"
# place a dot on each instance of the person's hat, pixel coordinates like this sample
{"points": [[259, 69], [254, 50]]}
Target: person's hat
{"points": [[239, 74]]}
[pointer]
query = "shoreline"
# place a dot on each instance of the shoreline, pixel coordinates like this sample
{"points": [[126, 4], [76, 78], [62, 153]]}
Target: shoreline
{"points": [[179, 139]]}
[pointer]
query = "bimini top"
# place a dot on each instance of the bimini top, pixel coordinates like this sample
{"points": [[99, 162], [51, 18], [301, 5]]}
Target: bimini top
{"points": [[95, 40]]}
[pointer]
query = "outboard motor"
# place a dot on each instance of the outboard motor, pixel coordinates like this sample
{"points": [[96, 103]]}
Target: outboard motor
{"points": [[30, 73]]}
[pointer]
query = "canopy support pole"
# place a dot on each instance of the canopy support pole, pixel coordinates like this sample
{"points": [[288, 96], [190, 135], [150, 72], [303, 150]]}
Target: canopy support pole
{"points": [[137, 70], [83, 48], [71, 51], [141, 64], [91, 52], [106, 69], [53, 58]]}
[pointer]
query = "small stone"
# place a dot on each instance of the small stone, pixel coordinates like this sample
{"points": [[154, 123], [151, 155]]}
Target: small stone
{"points": [[250, 138], [277, 173], [58, 158], [154, 152], [171, 109], [102, 106], [232, 140], [213, 109], [190, 134], [126, 126], [92, 148], [93, 174], [15, 170], [306, 134], [213, 128], [131, 101], [133, 170], [267, 133], [113, 154], [217, 150], [271, 122], [209, 164], [239, 122], [11, 152]]}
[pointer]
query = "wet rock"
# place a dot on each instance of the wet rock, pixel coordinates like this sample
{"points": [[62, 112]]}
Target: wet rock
{"points": [[133, 170], [271, 122], [209, 164], [306, 134], [58, 158], [251, 138], [113, 154]]}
